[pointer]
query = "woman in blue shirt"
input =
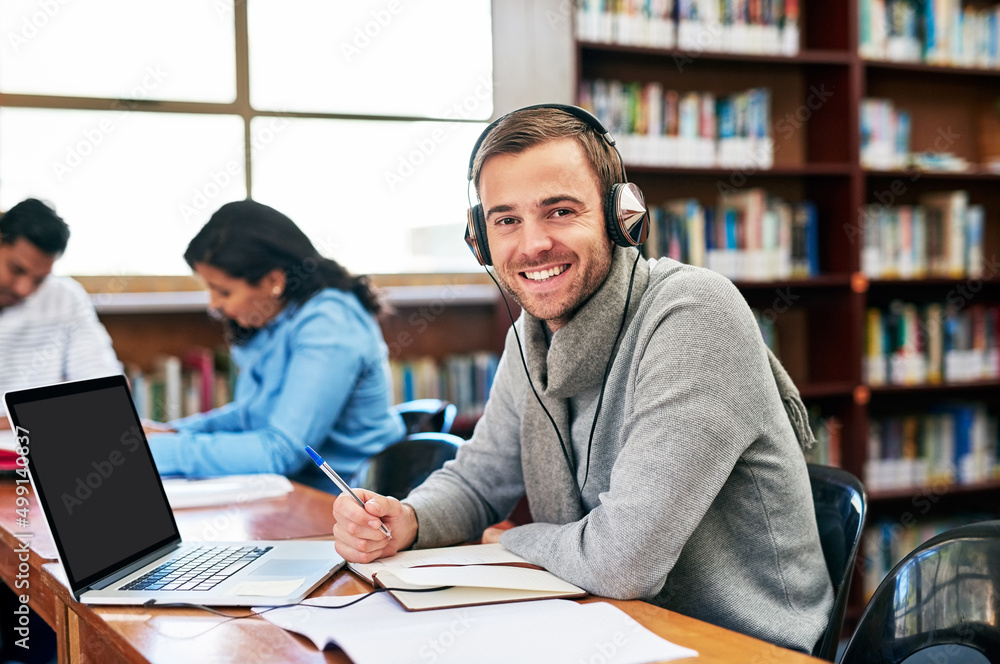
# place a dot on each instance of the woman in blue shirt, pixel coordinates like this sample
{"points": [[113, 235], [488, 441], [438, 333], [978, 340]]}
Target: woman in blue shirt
{"points": [[313, 366]]}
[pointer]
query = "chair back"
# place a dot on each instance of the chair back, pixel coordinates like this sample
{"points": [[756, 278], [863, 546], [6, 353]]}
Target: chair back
{"points": [[400, 467], [427, 415], [946, 592], [840, 503]]}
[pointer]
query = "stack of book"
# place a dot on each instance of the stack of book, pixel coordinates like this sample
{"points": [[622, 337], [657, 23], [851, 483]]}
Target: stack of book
{"points": [[657, 127], [464, 380], [949, 443], [198, 381], [763, 27], [938, 32], [885, 135], [952, 342], [748, 235], [828, 432], [940, 237]]}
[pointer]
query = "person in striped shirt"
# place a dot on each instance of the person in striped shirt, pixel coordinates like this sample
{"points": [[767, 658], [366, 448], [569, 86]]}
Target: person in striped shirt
{"points": [[49, 331]]}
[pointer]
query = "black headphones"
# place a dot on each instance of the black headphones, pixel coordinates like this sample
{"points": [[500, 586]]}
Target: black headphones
{"points": [[625, 217]]}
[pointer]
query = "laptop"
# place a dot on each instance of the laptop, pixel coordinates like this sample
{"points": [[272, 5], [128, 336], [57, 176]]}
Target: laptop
{"points": [[96, 482]]}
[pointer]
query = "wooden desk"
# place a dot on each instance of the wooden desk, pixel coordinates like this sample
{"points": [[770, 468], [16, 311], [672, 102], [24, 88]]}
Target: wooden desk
{"points": [[102, 635]]}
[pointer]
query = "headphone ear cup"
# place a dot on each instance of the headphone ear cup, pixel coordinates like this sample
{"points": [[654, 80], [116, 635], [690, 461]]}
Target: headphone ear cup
{"points": [[475, 236], [625, 215]]}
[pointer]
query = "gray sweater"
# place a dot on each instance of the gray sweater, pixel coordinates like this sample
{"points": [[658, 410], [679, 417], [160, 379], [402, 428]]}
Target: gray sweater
{"points": [[696, 498]]}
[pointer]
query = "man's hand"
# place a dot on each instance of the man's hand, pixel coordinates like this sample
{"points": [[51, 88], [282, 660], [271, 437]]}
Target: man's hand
{"points": [[357, 534]]}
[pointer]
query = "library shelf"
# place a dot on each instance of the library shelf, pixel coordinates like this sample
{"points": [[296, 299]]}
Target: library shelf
{"points": [[933, 70], [822, 390], [936, 388], [939, 490], [818, 281], [928, 175], [806, 57], [750, 170]]}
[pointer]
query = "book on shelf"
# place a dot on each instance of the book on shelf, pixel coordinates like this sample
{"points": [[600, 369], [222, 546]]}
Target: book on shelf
{"points": [[747, 235], [942, 236], [827, 430], [654, 126], [910, 344], [178, 386], [938, 32], [949, 443], [463, 379], [766, 28]]}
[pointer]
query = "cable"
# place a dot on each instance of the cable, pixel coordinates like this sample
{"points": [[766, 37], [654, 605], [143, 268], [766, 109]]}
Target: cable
{"points": [[230, 618]]}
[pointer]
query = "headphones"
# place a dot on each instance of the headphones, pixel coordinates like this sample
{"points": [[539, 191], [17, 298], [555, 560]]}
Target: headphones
{"points": [[625, 217]]}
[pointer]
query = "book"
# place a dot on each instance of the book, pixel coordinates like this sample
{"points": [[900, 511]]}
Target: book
{"points": [[477, 574]]}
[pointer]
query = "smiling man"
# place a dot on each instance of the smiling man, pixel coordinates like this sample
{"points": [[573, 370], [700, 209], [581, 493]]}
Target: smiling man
{"points": [[657, 440], [49, 330]]}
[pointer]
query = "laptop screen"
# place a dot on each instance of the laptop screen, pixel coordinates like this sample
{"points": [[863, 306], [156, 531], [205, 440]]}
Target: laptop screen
{"points": [[94, 475]]}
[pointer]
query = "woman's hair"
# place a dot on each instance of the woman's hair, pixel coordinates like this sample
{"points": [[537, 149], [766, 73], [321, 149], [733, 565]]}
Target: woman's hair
{"points": [[247, 240]]}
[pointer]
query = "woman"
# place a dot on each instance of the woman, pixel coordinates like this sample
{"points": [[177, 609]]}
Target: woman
{"points": [[313, 366]]}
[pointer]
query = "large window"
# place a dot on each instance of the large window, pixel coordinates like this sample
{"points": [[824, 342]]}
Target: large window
{"points": [[137, 120]]}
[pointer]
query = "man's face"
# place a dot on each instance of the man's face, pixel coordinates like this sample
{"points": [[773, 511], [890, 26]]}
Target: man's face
{"points": [[545, 228], [23, 268]]}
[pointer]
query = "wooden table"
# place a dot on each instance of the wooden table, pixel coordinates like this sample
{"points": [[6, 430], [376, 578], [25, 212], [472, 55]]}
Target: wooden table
{"points": [[103, 635]]}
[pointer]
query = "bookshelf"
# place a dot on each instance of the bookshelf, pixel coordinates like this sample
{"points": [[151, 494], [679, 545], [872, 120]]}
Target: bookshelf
{"points": [[816, 125]]}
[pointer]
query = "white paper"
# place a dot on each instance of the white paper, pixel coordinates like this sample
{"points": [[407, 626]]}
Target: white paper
{"points": [[485, 576], [476, 554], [224, 490], [378, 630], [268, 588], [8, 441]]}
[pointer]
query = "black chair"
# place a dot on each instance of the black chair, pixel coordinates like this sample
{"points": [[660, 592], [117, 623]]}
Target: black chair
{"points": [[840, 503], [397, 469], [431, 415], [946, 592]]}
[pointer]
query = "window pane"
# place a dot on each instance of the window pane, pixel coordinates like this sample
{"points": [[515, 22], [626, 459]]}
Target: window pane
{"points": [[133, 187], [379, 57], [121, 49], [379, 197]]}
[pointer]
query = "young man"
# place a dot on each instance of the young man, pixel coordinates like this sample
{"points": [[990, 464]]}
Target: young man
{"points": [[49, 330], [691, 490]]}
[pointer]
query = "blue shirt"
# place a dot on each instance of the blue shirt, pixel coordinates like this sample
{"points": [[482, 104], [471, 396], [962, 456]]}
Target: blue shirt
{"points": [[317, 375]]}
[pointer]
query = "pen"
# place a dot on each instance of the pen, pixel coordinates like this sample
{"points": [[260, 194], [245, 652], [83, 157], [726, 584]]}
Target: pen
{"points": [[341, 484]]}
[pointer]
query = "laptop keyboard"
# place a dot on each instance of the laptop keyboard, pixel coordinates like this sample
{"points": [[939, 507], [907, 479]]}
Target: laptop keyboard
{"points": [[201, 568]]}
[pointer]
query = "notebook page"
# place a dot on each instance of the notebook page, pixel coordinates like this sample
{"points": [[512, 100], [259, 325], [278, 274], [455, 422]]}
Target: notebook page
{"points": [[475, 554], [486, 576]]}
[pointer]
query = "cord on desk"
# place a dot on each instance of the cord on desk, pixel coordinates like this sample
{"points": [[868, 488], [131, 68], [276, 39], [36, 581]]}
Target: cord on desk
{"points": [[230, 618]]}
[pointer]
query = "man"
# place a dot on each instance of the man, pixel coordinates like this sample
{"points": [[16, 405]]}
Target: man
{"points": [[692, 491], [49, 330]]}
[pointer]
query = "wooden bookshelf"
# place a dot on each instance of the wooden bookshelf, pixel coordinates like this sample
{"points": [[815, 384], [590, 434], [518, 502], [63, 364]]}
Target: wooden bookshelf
{"points": [[820, 161]]}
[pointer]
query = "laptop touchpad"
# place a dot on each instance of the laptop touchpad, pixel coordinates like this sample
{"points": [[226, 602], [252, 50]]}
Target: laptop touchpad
{"points": [[291, 567]]}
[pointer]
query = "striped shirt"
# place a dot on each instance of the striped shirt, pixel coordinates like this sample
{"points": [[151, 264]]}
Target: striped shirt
{"points": [[53, 336]]}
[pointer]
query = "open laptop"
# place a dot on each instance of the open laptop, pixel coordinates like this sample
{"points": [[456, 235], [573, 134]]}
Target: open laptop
{"points": [[95, 479]]}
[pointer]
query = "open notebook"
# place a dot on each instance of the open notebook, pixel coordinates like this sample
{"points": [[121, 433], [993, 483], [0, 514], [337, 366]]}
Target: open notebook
{"points": [[478, 574]]}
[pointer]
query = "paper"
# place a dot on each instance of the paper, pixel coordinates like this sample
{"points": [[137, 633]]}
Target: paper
{"points": [[224, 490], [485, 576], [8, 441], [268, 588], [377, 630], [476, 554]]}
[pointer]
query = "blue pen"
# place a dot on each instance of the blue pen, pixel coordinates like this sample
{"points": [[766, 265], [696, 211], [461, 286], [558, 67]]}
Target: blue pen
{"points": [[341, 484]]}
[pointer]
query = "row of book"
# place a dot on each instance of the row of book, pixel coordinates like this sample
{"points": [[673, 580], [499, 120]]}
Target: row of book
{"points": [[200, 380], [464, 380], [748, 235], [886, 542], [658, 127], [951, 342], [940, 32], [940, 237], [948, 443], [885, 135], [742, 26]]}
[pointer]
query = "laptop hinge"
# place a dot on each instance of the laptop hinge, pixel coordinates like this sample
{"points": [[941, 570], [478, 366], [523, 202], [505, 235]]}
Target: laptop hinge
{"points": [[103, 583]]}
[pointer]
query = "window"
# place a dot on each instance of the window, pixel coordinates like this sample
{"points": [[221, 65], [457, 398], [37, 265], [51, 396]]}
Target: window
{"points": [[355, 119]]}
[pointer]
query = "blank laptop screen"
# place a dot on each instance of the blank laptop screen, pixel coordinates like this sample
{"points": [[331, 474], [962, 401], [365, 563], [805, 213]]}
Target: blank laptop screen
{"points": [[92, 468]]}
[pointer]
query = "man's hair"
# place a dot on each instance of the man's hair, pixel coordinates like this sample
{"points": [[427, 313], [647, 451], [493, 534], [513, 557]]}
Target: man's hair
{"points": [[528, 128], [37, 223]]}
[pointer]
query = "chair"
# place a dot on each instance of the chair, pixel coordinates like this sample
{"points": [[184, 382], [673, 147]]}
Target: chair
{"points": [[433, 415], [946, 592], [397, 469], [840, 503]]}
